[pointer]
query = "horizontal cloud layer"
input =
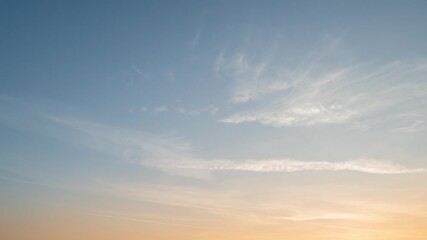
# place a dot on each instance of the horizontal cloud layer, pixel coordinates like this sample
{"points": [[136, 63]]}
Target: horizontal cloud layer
{"points": [[287, 165], [177, 157]]}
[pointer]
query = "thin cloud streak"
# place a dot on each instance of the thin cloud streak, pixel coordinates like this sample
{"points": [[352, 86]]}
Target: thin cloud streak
{"points": [[221, 203], [210, 109], [288, 165], [326, 216], [175, 156], [129, 218], [251, 205]]}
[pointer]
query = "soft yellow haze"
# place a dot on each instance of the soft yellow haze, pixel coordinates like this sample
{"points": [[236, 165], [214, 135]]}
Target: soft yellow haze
{"points": [[376, 208]]}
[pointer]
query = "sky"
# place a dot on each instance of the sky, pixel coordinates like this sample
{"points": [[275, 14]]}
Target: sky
{"points": [[213, 120]]}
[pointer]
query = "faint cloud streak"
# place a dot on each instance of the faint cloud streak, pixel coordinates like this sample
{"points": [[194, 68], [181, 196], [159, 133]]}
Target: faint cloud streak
{"points": [[173, 155]]}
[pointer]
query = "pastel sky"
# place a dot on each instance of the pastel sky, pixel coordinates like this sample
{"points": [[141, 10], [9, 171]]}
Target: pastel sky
{"points": [[213, 120]]}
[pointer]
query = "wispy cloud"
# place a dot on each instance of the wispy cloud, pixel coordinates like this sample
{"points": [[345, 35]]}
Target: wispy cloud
{"points": [[414, 126], [131, 146], [140, 72], [189, 111], [251, 204], [161, 109], [128, 218], [220, 203], [317, 93], [211, 109], [251, 80], [326, 216], [196, 37], [21, 180], [177, 156], [287, 165]]}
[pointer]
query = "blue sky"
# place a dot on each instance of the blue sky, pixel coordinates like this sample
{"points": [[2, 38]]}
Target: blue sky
{"points": [[185, 101]]}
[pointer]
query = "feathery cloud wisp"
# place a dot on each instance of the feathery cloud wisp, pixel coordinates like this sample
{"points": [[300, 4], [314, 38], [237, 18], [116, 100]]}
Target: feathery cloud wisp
{"points": [[177, 157], [317, 93]]}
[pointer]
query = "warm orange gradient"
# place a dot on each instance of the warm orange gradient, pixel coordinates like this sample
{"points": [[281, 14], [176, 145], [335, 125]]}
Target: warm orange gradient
{"points": [[376, 208]]}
